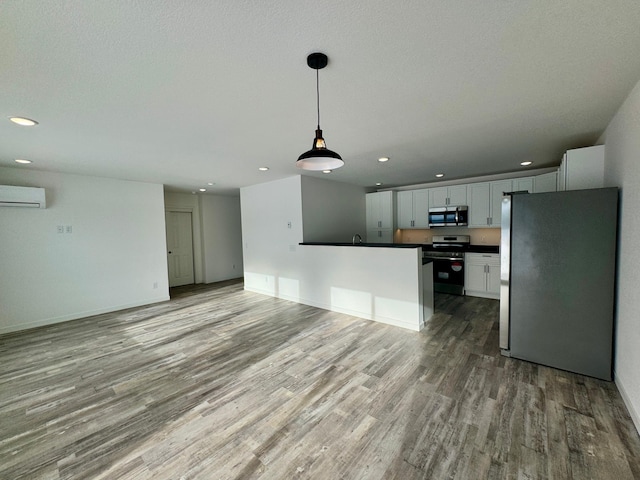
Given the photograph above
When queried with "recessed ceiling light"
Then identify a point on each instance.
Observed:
(263, 169)
(524, 164)
(383, 159)
(210, 183)
(439, 175)
(203, 189)
(378, 184)
(21, 160)
(25, 122)
(326, 171)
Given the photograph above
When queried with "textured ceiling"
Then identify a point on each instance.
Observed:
(189, 92)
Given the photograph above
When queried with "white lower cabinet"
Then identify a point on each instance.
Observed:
(380, 236)
(482, 275)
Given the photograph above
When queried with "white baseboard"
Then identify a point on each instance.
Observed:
(76, 315)
(627, 401)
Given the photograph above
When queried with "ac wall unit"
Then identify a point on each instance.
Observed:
(30, 197)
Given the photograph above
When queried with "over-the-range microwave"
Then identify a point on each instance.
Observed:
(451, 216)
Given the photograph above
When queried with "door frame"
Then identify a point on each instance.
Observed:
(195, 236)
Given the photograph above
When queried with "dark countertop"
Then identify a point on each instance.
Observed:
(364, 244)
(425, 246)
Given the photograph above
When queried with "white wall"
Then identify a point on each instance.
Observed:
(622, 158)
(332, 211)
(269, 243)
(114, 256)
(221, 237)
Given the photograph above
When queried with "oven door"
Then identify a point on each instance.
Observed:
(448, 275)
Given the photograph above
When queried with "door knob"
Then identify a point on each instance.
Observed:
(169, 251)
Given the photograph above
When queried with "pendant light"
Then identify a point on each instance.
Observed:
(319, 157)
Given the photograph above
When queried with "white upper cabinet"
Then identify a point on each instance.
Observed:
(452, 195)
(458, 195)
(413, 209)
(523, 184)
(485, 202)
(479, 195)
(545, 183)
(380, 210)
(498, 189)
(582, 168)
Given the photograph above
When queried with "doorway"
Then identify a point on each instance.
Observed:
(179, 248)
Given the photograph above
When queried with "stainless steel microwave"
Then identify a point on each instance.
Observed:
(450, 216)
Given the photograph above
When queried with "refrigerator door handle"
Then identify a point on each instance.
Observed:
(505, 272)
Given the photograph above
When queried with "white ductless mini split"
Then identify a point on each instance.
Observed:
(29, 197)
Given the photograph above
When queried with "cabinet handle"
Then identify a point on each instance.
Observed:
(379, 233)
(379, 223)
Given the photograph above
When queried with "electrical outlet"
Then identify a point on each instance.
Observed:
(60, 228)
(69, 229)
(289, 225)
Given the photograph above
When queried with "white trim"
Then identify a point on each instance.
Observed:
(78, 315)
(627, 401)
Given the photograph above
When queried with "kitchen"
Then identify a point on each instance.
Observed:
(460, 245)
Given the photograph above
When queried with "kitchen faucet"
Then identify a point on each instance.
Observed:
(359, 238)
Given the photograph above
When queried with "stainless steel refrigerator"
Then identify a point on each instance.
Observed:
(557, 279)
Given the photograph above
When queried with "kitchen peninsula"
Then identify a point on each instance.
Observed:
(387, 283)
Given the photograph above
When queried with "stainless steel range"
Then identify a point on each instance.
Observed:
(447, 253)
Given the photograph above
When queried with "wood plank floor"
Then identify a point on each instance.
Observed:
(219, 383)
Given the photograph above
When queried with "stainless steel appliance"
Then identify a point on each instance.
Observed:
(449, 216)
(557, 274)
(447, 254)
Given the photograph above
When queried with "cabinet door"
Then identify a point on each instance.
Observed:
(547, 182)
(421, 208)
(379, 236)
(497, 192)
(584, 168)
(438, 196)
(493, 279)
(458, 195)
(479, 204)
(523, 184)
(385, 236)
(387, 212)
(405, 210)
(373, 210)
(475, 278)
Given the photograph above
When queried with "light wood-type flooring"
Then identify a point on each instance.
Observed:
(219, 383)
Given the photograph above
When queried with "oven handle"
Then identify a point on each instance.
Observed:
(461, 260)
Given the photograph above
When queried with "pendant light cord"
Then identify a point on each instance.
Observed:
(318, 94)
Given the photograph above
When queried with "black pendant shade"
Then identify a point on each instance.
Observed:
(319, 157)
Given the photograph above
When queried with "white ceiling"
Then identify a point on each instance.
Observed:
(189, 92)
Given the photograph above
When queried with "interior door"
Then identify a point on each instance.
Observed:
(179, 248)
